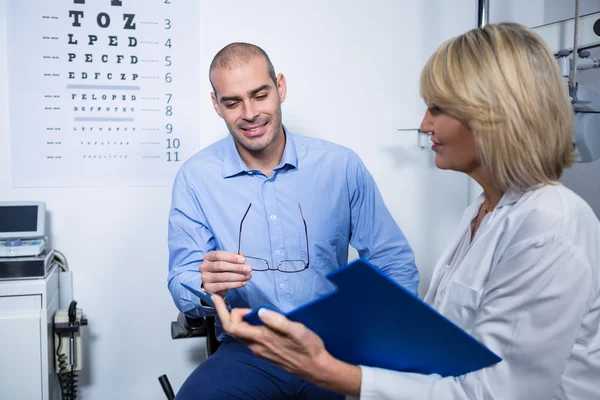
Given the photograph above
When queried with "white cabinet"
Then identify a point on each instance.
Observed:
(27, 308)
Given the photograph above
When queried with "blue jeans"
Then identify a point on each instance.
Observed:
(233, 372)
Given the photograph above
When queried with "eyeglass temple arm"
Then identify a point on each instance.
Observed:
(242, 223)
(306, 234)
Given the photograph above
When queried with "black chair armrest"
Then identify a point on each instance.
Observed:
(212, 343)
(186, 327)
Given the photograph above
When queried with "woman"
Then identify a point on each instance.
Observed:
(522, 274)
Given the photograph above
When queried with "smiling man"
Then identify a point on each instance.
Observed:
(252, 113)
(261, 217)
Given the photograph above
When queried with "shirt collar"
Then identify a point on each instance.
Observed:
(234, 165)
(290, 155)
(511, 196)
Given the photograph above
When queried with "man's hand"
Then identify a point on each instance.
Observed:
(222, 271)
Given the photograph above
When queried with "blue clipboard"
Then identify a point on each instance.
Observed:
(371, 320)
(204, 295)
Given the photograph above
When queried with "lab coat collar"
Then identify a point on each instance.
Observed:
(510, 197)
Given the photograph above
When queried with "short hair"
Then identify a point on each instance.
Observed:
(504, 84)
(238, 53)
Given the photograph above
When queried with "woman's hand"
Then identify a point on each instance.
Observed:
(292, 346)
(288, 344)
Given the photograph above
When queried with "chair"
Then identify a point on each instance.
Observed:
(186, 327)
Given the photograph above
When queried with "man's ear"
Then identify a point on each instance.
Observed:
(215, 103)
(281, 87)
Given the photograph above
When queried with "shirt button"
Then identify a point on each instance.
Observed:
(278, 252)
(282, 286)
(273, 217)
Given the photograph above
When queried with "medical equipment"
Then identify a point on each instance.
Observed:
(39, 313)
(27, 308)
(574, 58)
(34, 267)
(68, 349)
(22, 228)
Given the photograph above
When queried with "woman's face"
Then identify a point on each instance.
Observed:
(453, 142)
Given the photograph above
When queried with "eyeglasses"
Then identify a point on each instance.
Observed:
(287, 266)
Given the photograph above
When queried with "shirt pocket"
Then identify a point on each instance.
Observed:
(462, 304)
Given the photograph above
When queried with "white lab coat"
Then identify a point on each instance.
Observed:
(528, 289)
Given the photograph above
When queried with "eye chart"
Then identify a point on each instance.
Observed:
(102, 92)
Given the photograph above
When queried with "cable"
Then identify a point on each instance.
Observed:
(67, 378)
(61, 260)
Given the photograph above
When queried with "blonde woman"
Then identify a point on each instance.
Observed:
(522, 273)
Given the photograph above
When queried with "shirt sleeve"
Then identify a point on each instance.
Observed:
(374, 233)
(530, 313)
(189, 240)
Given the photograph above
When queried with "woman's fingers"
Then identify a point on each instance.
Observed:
(221, 308)
(233, 322)
(279, 323)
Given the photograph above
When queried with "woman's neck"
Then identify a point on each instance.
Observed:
(491, 193)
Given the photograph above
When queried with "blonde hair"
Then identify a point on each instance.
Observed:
(503, 83)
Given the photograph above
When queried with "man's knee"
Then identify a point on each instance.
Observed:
(235, 373)
(207, 381)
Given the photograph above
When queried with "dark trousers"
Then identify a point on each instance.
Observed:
(233, 372)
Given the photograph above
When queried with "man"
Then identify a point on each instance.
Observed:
(261, 217)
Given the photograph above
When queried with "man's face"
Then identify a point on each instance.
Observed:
(250, 103)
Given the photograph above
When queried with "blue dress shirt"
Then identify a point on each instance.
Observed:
(340, 202)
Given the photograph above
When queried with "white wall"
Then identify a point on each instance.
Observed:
(533, 13)
(352, 76)
(558, 10)
(529, 13)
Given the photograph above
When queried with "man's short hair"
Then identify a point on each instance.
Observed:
(238, 53)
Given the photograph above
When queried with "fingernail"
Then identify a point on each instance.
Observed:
(247, 269)
(265, 314)
(241, 260)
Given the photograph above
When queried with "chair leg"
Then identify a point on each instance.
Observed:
(212, 343)
(166, 385)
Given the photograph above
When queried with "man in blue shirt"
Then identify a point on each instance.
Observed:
(261, 217)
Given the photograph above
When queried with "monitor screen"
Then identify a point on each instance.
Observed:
(18, 218)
